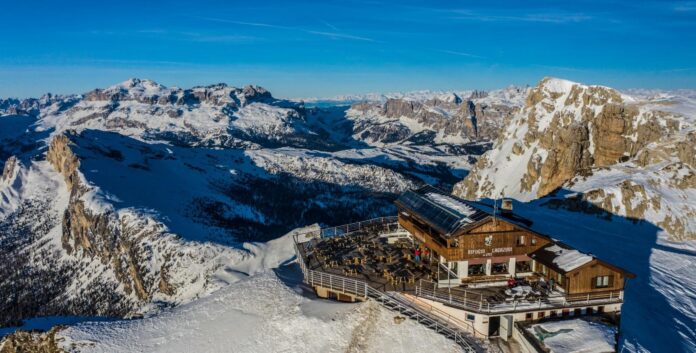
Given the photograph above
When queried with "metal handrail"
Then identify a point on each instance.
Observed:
(349, 228)
(468, 301)
(448, 316)
(362, 289)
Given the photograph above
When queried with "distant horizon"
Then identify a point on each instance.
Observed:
(330, 97)
(310, 48)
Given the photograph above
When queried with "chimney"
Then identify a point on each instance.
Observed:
(506, 207)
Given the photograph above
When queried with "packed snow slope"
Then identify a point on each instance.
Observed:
(259, 314)
(659, 310)
(632, 156)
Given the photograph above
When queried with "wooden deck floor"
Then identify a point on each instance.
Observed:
(367, 257)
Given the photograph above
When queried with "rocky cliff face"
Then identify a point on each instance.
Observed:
(582, 138)
(145, 260)
(441, 119)
(97, 235)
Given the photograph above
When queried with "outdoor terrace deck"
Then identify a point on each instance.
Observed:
(365, 254)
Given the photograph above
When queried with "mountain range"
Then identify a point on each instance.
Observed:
(127, 201)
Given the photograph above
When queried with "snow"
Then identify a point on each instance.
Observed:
(664, 292)
(575, 336)
(266, 312)
(221, 304)
(568, 259)
(463, 209)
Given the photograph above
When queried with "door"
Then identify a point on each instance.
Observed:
(505, 327)
(494, 326)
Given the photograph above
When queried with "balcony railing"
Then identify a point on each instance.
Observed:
(474, 301)
(427, 316)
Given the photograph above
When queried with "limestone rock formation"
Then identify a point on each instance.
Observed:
(597, 141)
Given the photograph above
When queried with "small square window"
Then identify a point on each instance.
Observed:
(540, 315)
(521, 241)
(529, 316)
(533, 241)
(601, 281)
(470, 317)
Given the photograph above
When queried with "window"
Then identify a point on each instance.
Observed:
(565, 312)
(559, 279)
(499, 268)
(553, 313)
(523, 266)
(470, 317)
(540, 315)
(529, 316)
(577, 312)
(533, 241)
(521, 241)
(476, 270)
(601, 282)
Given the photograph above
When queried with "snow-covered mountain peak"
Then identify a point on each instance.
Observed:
(558, 85)
(136, 86)
(569, 133)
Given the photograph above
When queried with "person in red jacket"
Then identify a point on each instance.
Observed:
(417, 253)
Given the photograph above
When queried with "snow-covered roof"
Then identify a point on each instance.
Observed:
(562, 257)
(575, 335)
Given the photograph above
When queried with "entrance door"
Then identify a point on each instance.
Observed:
(494, 326)
(505, 327)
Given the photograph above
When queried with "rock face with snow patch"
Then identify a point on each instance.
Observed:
(139, 196)
(446, 118)
(631, 157)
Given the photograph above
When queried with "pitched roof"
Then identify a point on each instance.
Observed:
(561, 257)
(444, 212)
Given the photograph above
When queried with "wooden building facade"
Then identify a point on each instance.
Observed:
(478, 246)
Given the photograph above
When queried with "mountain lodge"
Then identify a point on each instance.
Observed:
(461, 266)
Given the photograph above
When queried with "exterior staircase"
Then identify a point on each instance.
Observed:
(394, 301)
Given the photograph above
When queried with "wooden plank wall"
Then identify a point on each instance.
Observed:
(582, 279)
(504, 237)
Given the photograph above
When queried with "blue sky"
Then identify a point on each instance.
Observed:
(323, 48)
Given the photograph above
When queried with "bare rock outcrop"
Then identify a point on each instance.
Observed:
(595, 140)
(93, 234)
(32, 342)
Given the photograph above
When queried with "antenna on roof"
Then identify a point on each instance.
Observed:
(495, 208)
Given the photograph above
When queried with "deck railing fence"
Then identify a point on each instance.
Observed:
(473, 301)
(445, 325)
